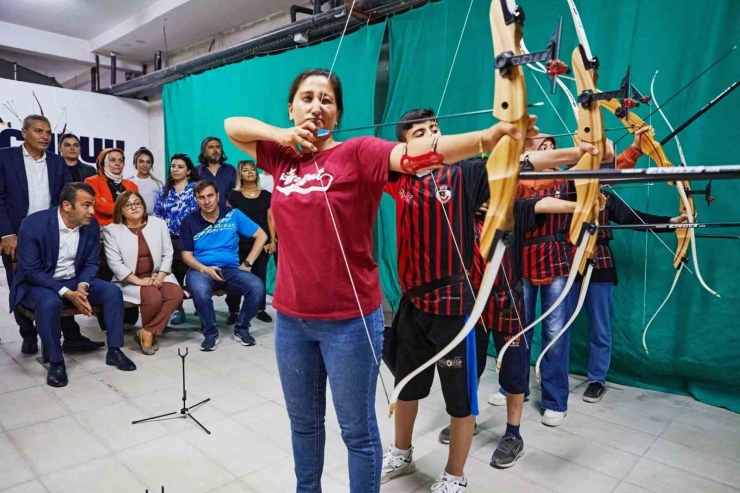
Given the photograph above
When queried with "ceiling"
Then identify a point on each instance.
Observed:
(61, 37)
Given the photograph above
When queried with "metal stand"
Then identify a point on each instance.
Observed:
(185, 411)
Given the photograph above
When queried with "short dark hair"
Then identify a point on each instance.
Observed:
(68, 135)
(34, 118)
(411, 118)
(336, 85)
(202, 156)
(145, 152)
(69, 192)
(202, 185)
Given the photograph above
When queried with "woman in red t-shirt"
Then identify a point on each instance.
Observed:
(327, 292)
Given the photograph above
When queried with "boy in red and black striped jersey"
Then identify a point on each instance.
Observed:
(435, 219)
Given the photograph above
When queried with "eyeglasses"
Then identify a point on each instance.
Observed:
(132, 205)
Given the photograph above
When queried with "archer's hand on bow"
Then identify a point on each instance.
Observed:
(682, 219)
(637, 143)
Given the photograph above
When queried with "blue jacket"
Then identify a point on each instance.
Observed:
(38, 251)
(14, 186)
(225, 180)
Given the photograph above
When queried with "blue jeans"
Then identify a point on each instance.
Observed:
(309, 351)
(554, 367)
(236, 281)
(48, 305)
(599, 305)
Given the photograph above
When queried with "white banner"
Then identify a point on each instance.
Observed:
(99, 120)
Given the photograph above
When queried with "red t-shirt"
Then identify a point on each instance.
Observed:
(312, 279)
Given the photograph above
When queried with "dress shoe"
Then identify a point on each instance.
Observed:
(80, 344)
(148, 350)
(263, 316)
(231, 320)
(57, 375)
(30, 346)
(115, 357)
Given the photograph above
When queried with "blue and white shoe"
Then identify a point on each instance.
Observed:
(177, 317)
(243, 337)
(209, 343)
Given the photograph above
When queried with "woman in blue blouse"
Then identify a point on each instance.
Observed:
(174, 203)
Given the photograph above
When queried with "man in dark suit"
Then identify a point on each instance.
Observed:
(30, 181)
(58, 256)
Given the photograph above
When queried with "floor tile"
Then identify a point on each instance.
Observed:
(560, 475)
(14, 377)
(56, 445)
(659, 478)
(233, 487)
(706, 438)
(269, 420)
(629, 488)
(172, 462)
(694, 405)
(235, 448)
(259, 381)
(697, 462)
(5, 358)
(135, 383)
(106, 474)
(573, 448)
(112, 425)
(29, 487)
(85, 393)
(169, 401)
(28, 406)
(13, 469)
(280, 478)
(226, 396)
(607, 433)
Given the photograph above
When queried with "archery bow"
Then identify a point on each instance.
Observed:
(510, 105)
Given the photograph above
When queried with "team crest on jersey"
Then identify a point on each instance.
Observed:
(444, 194)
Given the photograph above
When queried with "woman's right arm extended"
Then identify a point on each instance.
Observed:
(245, 132)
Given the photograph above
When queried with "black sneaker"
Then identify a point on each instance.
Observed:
(444, 435)
(263, 316)
(243, 337)
(507, 452)
(594, 392)
(231, 320)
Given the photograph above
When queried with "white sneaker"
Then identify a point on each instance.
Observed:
(497, 399)
(447, 483)
(553, 418)
(395, 465)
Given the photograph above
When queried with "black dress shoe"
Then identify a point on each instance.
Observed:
(231, 320)
(263, 316)
(80, 344)
(57, 375)
(115, 357)
(30, 346)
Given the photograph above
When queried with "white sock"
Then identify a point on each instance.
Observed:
(450, 477)
(398, 451)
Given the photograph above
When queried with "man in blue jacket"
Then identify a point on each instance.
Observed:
(58, 256)
(30, 181)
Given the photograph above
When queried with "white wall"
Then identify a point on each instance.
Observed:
(156, 136)
(95, 118)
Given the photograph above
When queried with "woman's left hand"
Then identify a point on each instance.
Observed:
(159, 280)
(270, 248)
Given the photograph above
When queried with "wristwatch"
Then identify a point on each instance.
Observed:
(247, 264)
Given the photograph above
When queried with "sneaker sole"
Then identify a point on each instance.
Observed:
(593, 399)
(553, 425)
(510, 464)
(239, 340)
(443, 441)
(210, 349)
(393, 475)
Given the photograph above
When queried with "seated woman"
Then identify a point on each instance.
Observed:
(173, 204)
(139, 252)
(109, 184)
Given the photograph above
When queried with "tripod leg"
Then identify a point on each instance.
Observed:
(188, 409)
(154, 417)
(198, 423)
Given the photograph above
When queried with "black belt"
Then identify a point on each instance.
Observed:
(434, 285)
(559, 237)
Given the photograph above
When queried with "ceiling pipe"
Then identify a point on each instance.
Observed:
(330, 23)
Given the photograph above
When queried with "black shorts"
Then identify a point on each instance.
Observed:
(515, 366)
(418, 337)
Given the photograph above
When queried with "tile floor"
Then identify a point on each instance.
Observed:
(80, 438)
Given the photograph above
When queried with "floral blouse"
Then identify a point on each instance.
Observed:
(175, 207)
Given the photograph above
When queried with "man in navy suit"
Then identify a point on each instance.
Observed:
(58, 256)
(30, 181)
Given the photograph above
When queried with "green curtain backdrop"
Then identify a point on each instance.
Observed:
(694, 344)
(196, 106)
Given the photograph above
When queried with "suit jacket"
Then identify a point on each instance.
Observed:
(86, 171)
(38, 252)
(104, 202)
(14, 186)
(122, 253)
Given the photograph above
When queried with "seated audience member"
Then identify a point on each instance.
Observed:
(209, 239)
(174, 203)
(69, 149)
(254, 202)
(109, 184)
(139, 252)
(58, 255)
(148, 185)
(213, 167)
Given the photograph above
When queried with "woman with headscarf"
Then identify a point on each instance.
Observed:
(109, 184)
